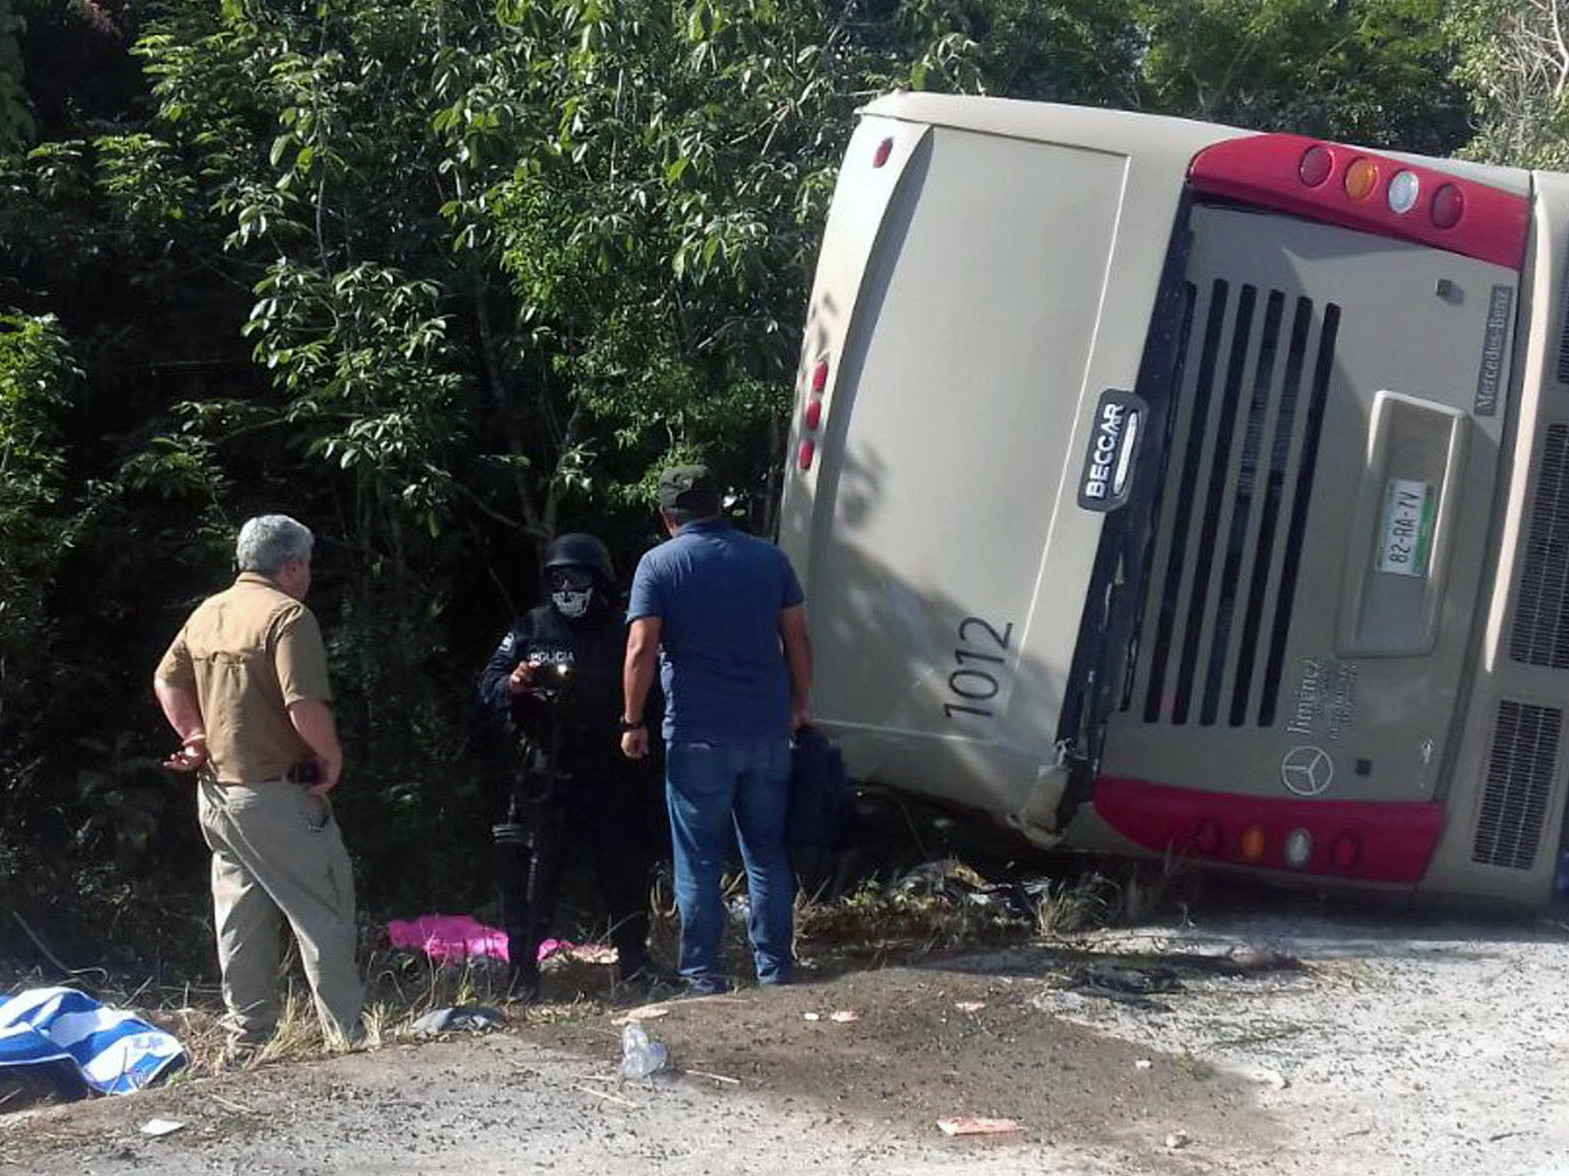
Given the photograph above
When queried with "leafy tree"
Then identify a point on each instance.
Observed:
(1514, 62)
(500, 265)
(16, 109)
(660, 237)
(445, 277)
(35, 370)
(1369, 71)
(1084, 51)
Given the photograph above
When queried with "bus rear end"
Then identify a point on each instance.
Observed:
(1179, 491)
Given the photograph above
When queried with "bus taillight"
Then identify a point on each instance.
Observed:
(1346, 852)
(1298, 848)
(1448, 204)
(812, 415)
(1207, 839)
(1339, 185)
(1252, 844)
(880, 156)
(1361, 178)
(1276, 832)
(1316, 165)
(1404, 188)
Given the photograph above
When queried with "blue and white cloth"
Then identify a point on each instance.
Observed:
(82, 1043)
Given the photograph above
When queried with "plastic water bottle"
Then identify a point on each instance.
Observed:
(640, 1057)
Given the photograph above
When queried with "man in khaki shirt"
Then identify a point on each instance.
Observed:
(245, 686)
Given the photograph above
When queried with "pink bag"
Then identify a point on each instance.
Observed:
(455, 938)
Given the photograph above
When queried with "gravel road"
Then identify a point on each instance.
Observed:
(1285, 1041)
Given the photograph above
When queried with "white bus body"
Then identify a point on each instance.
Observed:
(1161, 487)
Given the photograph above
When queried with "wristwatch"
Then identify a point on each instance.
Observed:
(637, 726)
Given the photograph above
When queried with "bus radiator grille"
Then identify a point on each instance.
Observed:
(1520, 770)
(1252, 391)
(1563, 338)
(1540, 634)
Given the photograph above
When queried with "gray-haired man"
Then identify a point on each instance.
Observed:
(245, 686)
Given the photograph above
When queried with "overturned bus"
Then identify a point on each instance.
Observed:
(1164, 488)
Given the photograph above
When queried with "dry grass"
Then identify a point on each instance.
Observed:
(881, 924)
(874, 922)
(1087, 902)
(874, 925)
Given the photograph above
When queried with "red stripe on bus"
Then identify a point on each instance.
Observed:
(1273, 171)
(1391, 842)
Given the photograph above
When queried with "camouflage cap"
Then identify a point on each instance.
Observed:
(689, 487)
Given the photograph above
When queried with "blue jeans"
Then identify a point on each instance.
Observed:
(712, 788)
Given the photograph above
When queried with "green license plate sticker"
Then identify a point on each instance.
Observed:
(1405, 536)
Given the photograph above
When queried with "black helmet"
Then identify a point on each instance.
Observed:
(581, 551)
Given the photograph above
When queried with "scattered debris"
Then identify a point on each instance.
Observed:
(608, 1097)
(232, 1106)
(648, 1012)
(1169, 966)
(1143, 1064)
(582, 953)
(970, 1006)
(954, 882)
(1249, 958)
(1176, 1140)
(1271, 1078)
(640, 1056)
(714, 1077)
(845, 1016)
(1138, 981)
(459, 1019)
(1127, 998)
(811, 1016)
(161, 1127)
(976, 1125)
(1125, 985)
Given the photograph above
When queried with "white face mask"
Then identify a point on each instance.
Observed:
(572, 604)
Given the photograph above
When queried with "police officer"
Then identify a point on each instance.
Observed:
(557, 676)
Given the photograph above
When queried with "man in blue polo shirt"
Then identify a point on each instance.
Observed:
(725, 614)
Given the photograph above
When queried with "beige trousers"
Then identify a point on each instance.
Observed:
(276, 850)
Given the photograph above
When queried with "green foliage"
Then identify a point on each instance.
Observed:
(661, 238)
(445, 277)
(1084, 51)
(1514, 63)
(17, 126)
(1365, 71)
(125, 798)
(35, 369)
(137, 175)
(360, 354)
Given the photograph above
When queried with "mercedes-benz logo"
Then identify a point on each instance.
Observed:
(1307, 770)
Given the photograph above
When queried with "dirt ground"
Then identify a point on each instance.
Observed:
(1285, 1041)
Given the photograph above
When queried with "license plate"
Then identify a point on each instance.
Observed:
(1406, 536)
